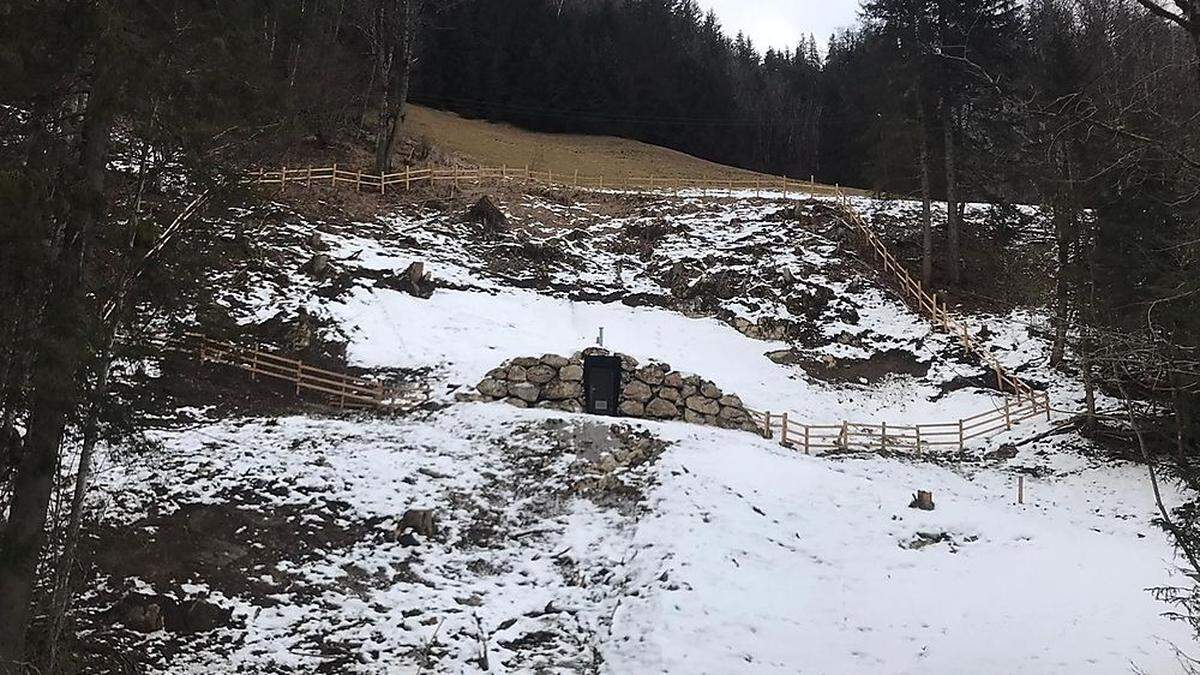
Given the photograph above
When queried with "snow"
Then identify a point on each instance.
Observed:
(724, 554)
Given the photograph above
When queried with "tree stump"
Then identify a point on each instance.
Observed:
(923, 500)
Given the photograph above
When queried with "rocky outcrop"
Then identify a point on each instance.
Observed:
(651, 391)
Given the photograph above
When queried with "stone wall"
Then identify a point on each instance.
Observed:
(652, 391)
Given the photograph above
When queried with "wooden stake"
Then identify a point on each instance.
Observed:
(1007, 418)
(883, 437)
(333, 176)
(1020, 489)
(806, 434)
(783, 433)
(766, 424)
(960, 435)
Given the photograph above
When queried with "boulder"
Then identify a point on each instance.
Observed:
(317, 266)
(524, 391)
(732, 401)
(652, 375)
(525, 361)
(513, 401)
(631, 408)
(595, 351)
(662, 408)
(540, 374)
(673, 379)
(668, 394)
(571, 373)
(710, 390)
(498, 373)
(422, 521)
(637, 391)
(493, 388)
(557, 390)
(554, 360)
(688, 390)
(703, 405)
(486, 213)
(628, 363)
(514, 374)
(732, 414)
(692, 416)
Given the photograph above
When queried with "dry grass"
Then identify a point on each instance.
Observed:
(483, 143)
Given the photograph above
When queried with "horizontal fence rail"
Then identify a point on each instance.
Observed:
(410, 178)
(344, 391)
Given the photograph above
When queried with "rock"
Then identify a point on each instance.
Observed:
(638, 391)
(524, 391)
(409, 539)
(516, 402)
(688, 390)
(631, 408)
(651, 375)
(568, 405)
(788, 277)
(197, 616)
(487, 214)
(540, 374)
(421, 521)
(558, 390)
(662, 408)
(317, 266)
(731, 400)
(628, 363)
(468, 397)
(524, 361)
(673, 379)
(315, 242)
(515, 373)
(493, 388)
(595, 351)
(571, 373)
(703, 405)
(692, 416)
(668, 394)
(554, 361)
(732, 414)
(416, 281)
(498, 373)
(143, 618)
(710, 390)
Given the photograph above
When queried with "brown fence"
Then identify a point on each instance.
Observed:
(411, 178)
(342, 390)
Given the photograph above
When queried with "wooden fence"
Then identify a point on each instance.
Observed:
(341, 390)
(411, 178)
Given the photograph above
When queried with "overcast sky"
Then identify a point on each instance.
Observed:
(781, 23)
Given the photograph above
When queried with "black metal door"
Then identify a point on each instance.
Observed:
(601, 384)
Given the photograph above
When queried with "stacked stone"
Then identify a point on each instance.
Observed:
(551, 381)
(652, 391)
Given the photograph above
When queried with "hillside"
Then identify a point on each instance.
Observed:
(495, 144)
(580, 544)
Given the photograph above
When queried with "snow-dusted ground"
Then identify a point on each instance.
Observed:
(726, 553)
(740, 557)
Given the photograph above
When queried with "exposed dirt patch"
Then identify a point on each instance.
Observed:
(873, 369)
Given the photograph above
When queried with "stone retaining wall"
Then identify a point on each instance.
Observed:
(651, 391)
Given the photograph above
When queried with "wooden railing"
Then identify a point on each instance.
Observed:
(342, 390)
(410, 178)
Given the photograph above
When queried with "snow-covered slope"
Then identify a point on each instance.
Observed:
(569, 543)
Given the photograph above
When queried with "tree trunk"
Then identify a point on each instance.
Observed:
(926, 224)
(395, 81)
(953, 253)
(1062, 241)
(53, 379)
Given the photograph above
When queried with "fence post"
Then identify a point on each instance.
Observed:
(883, 437)
(917, 431)
(382, 182)
(358, 181)
(766, 424)
(1007, 418)
(282, 178)
(575, 180)
(783, 431)
(407, 178)
(1047, 395)
(299, 374)
(1020, 489)
(527, 173)
(333, 176)
(504, 171)
(756, 190)
(960, 434)
(806, 441)
(844, 437)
